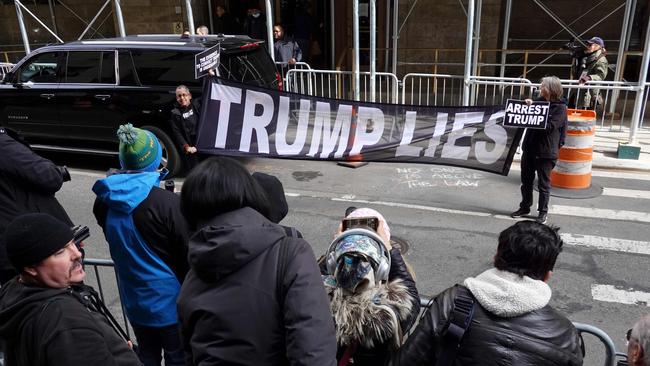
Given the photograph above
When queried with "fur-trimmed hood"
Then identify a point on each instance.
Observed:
(370, 317)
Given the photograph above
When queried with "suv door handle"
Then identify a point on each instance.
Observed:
(47, 96)
(102, 96)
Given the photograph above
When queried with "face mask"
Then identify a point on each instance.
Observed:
(353, 273)
(256, 15)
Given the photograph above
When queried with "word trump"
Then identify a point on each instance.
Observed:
(520, 114)
(267, 122)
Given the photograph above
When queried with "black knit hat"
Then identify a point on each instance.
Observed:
(31, 238)
(275, 193)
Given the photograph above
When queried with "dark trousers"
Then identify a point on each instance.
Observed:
(152, 342)
(529, 165)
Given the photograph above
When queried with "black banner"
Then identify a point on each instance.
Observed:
(240, 119)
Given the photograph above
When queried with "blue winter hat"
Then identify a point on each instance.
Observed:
(597, 40)
(139, 149)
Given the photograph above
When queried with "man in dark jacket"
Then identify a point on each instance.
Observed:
(540, 151)
(47, 316)
(512, 322)
(147, 237)
(286, 50)
(28, 183)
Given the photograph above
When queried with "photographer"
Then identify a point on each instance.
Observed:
(28, 183)
(372, 292)
(589, 64)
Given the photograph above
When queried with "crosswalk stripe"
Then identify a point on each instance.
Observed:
(613, 244)
(629, 193)
(605, 174)
(600, 213)
(609, 293)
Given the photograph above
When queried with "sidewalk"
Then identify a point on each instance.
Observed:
(606, 145)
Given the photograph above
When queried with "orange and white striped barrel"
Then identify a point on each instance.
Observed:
(573, 167)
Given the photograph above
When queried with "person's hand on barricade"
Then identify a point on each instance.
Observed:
(584, 79)
(292, 61)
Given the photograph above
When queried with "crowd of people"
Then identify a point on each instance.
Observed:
(210, 277)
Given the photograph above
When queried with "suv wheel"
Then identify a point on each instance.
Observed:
(171, 159)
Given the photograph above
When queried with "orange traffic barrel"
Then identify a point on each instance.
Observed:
(573, 167)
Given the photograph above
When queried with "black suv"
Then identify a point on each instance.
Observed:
(73, 96)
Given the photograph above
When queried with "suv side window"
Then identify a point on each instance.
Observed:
(165, 68)
(90, 67)
(252, 66)
(127, 75)
(43, 68)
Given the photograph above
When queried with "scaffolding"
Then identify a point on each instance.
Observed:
(472, 43)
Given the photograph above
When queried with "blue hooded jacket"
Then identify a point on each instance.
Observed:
(148, 287)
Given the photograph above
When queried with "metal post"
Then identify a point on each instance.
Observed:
(468, 51)
(387, 28)
(210, 16)
(504, 41)
(21, 25)
(51, 6)
(269, 28)
(332, 36)
(355, 45)
(395, 33)
(190, 16)
(373, 47)
(629, 26)
(120, 18)
(38, 21)
(95, 18)
(621, 53)
(638, 102)
(475, 51)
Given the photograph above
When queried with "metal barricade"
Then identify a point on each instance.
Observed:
(5, 67)
(490, 90)
(284, 67)
(110, 302)
(432, 89)
(340, 84)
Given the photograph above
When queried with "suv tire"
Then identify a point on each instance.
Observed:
(171, 158)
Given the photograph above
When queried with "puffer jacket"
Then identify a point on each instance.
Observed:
(519, 329)
(546, 143)
(229, 309)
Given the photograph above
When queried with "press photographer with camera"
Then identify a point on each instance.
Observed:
(28, 183)
(589, 63)
(372, 293)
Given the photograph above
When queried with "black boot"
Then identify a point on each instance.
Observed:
(520, 212)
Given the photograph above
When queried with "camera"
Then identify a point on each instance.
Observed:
(576, 48)
(371, 223)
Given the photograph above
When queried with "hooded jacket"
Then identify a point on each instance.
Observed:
(149, 282)
(512, 325)
(546, 143)
(45, 326)
(228, 307)
(28, 183)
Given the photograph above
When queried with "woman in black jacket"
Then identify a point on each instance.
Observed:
(253, 295)
(185, 121)
(540, 150)
(371, 316)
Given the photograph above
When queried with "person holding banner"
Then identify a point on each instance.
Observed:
(185, 119)
(540, 150)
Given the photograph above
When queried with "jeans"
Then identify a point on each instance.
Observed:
(152, 342)
(529, 165)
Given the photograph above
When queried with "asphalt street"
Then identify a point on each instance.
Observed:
(451, 218)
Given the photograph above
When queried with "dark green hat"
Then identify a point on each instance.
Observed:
(139, 149)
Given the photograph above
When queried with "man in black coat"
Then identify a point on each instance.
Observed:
(510, 321)
(540, 151)
(47, 316)
(28, 183)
